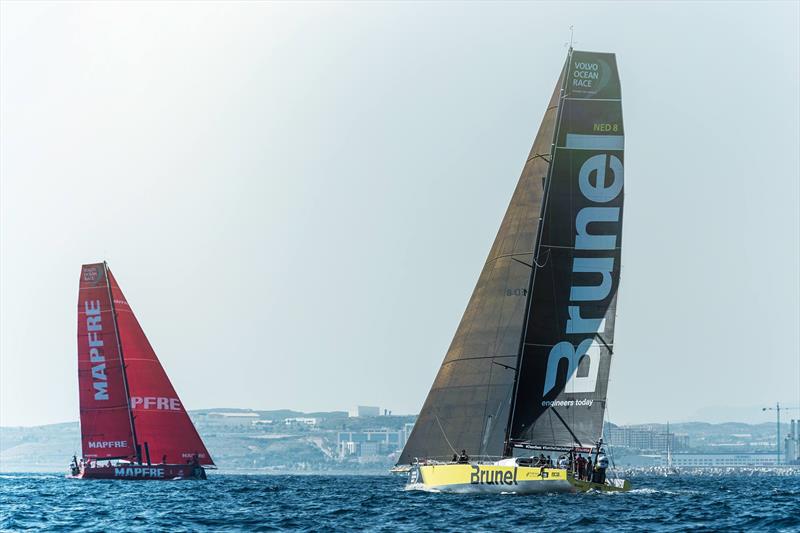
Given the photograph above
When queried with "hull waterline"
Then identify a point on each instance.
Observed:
(502, 479)
(162, 472)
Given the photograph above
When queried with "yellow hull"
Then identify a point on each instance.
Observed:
(487, 478)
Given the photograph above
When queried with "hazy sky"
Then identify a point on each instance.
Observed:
(297, 199)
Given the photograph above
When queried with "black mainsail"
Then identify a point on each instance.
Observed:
(550, 280)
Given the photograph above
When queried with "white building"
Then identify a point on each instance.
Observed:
(235, 418)
(721, 460)
(311, 422)
(367, 410)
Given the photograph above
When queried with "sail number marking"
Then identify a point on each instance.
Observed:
(604, 127)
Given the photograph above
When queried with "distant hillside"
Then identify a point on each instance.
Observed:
(285, 440)
(238, 439)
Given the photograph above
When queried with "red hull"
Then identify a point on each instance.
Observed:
(143, 472)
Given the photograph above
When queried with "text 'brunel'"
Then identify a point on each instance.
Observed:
(94, 334)
(607, 173)
(480, 476)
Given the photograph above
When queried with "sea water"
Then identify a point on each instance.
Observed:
(380, 503)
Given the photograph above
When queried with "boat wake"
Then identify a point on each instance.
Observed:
(421, 487)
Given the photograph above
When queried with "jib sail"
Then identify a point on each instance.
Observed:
(569, 337)
(468, 404)
(164, 431)
(106, 423)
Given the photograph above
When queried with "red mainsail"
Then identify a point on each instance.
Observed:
(106, 424)
(164, 430)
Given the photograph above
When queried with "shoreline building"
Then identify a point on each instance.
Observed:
(721, 459)
(364, 411)
(371, 444)
(645, 438)
(791, 445)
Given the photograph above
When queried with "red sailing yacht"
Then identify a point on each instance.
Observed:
(130, 413)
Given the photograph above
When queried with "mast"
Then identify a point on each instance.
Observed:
(535, 263)
(122, 364)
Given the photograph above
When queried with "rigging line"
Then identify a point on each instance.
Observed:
(566, 426)
(537, 156)
(523, 262)
(444, 434)
(504, 366)
(485, 406)
(474, 357)
(503, 256)
(546, 258)
(610, 350)
(610, 444)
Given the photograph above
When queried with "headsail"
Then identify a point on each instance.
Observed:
(106, 424)
(468, 404)
(163, 428)
(569, 338)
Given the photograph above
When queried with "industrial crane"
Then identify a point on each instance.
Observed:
(778, 410)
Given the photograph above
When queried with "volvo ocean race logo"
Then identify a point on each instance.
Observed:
(607, 172)
(90, 274)
(94, 334)
(589, 77)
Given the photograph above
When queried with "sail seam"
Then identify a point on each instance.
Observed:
(572, 247)
(493, 259)
(594, 99)
(476, 357)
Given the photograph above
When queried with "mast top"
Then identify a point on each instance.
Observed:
(571, 36)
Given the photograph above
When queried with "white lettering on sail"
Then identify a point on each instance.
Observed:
(599, 192)
(587, 215)
(596, 165)
(157, 403)
(565, 350)
(578, 324)
(593, 265)
(103, 444)
(94, 331)
(584, 74)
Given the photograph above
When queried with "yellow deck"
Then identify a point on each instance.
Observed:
(497, 478)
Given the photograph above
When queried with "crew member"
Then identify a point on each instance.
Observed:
(588, 469)
(464, 458)
(600, 468)
(455, 458)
